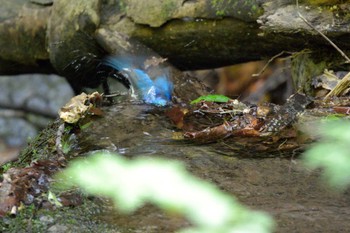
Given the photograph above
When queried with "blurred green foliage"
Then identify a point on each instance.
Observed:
(166, 184)
(332, 153)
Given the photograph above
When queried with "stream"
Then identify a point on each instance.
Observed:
(258, 173)
(275, 182)
(272, 180)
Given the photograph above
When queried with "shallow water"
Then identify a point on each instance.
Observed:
(271, 180)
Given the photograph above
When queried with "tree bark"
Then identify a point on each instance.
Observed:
(191, 34)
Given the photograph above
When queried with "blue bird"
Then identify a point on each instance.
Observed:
(153, 90)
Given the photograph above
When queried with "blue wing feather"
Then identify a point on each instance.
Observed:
(156, 91)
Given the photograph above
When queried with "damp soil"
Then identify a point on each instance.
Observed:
(273, 181)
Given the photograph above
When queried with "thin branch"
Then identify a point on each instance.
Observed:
(322, 34)
(268, 63)
(340, 88)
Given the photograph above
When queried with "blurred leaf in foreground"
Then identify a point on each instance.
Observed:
(332, 153)
(167, 185)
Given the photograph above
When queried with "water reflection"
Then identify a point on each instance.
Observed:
(271, 183)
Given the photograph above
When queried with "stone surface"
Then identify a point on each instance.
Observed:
(28, 103)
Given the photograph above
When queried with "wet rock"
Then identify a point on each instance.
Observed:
(28, 103)
(156, 13)
(16, 131)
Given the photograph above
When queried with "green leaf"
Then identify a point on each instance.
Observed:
(211, 98)
(53, 199)
(331, 153)
(167, 184)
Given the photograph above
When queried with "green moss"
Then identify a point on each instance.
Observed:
(41, 147)
(324, 2)
(23, 222)
(248, 9)
(82, 218)
(308, 64)
(304, 68)
(169, 8)
(122, 6)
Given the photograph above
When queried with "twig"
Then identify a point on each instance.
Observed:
(322, 34)
(115, 94)
(269, 62)
(341, 86)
